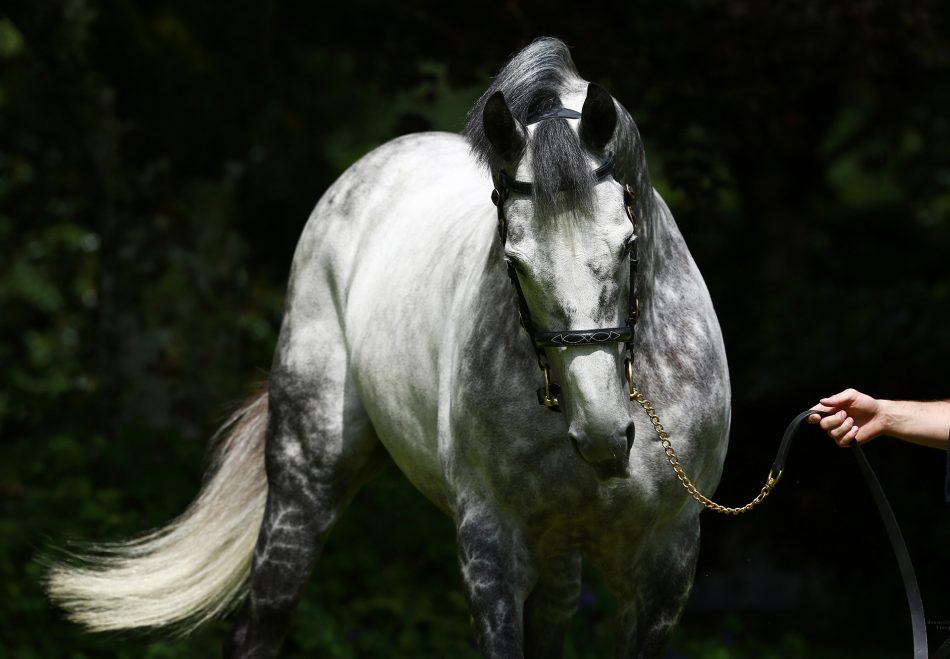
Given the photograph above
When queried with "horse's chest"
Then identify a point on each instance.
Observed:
(588, 524)
(555, 493)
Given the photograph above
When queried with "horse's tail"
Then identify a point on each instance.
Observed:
(193, 569)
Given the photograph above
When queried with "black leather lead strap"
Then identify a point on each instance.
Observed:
(779, 464)
(918, 620)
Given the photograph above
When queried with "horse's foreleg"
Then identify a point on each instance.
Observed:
(551, 606)
(496, 578)
(654, 590)
(320, 449)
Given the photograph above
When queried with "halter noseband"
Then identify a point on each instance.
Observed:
(548, 394)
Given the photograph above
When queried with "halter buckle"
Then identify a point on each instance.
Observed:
(547, 395)
(629, 197)
(628, 371)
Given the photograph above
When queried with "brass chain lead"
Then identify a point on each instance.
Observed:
(681, 474)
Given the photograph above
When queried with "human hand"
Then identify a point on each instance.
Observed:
(853, 416)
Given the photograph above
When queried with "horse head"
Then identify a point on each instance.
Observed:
(567, 229)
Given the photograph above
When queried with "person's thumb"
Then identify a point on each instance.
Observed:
(815, 418)
(842, 399)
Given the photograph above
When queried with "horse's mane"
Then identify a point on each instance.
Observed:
(532, 82)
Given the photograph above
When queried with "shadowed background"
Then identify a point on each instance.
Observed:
(159, 159)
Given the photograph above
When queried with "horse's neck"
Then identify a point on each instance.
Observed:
(670, 288)
(653, 230)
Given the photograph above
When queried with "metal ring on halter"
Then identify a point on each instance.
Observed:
(628, 369)
(629, 198)
(547, 395)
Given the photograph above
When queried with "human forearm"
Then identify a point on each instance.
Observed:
(920, 422)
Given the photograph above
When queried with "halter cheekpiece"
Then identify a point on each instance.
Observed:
(505, 186)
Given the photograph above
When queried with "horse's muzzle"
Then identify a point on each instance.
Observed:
(608, 458)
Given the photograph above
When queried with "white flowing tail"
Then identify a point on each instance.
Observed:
(193, 569)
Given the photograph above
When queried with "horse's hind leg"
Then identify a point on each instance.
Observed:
(320, 449)
(551, 606)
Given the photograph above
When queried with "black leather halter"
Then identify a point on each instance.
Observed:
(547, 394)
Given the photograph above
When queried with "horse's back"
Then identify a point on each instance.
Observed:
(385, 221)
(365, 201)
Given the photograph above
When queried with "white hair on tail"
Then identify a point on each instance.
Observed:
(190, 571)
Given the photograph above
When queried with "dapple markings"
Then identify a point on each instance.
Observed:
(401, 341)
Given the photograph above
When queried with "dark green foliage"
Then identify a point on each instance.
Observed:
(158, 160)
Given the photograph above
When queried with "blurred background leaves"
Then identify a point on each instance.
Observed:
(159, 159)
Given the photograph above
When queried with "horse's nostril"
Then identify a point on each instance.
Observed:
(613, 451)
(631, 435)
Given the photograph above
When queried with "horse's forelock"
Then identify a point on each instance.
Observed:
(560, 168)
(532, 82)
(529, 81)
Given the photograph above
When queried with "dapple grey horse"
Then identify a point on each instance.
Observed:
(401, 341)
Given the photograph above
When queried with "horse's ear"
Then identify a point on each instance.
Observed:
(505, 133)
(598, 118)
